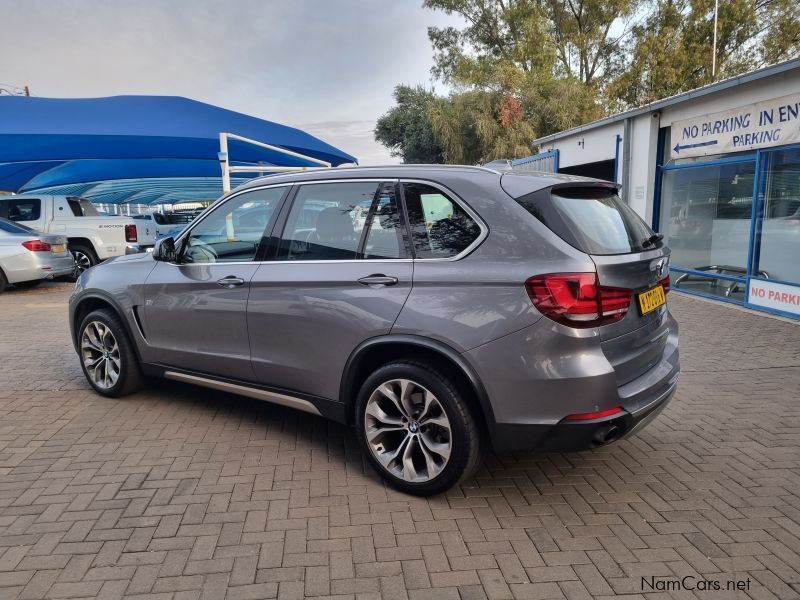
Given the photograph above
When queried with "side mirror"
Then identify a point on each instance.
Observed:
(164, 250)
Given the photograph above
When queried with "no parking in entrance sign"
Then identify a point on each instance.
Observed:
(770, 123)
(777, 296)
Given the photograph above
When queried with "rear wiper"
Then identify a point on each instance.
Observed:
(652, 240)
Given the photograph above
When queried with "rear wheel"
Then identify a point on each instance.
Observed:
(84, 256)
(416, 428)
(108, 358)
(3, 281)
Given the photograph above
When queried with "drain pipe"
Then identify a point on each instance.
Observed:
(626, 160)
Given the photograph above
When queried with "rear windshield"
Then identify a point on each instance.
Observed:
(12, 227)
(593, 220)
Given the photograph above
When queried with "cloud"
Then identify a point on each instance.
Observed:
(326, 66)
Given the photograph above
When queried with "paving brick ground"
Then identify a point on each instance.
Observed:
(184, 493)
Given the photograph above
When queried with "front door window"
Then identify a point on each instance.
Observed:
(233, 231)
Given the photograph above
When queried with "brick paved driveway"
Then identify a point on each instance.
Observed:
(185, 493)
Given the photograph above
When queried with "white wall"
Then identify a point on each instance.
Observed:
(782, 84)
(644, 146)
(586, 147)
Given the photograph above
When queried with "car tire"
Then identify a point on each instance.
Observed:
(421, 436)
(84, 256)
(3, 281)
(26, 285)
(107, 355)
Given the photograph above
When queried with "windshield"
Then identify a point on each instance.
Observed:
(592, 219)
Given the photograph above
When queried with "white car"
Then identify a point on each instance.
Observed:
(28, 257)
(92, 237)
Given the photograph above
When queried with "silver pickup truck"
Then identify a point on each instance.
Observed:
(92, 237)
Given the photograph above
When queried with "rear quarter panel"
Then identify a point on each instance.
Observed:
(481, 297)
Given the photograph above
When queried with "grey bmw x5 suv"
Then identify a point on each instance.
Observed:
(438, 310)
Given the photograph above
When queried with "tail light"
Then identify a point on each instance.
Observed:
(37, 246)
(577, 299)
(130, 233)
(665, 283)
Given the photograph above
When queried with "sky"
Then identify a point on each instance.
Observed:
(325, 66)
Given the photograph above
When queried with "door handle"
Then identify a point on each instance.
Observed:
(378, 279)
(230, 282)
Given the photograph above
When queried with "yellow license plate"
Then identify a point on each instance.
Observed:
(57, 248)
(652, 299)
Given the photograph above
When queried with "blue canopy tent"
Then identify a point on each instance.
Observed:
(141, 149)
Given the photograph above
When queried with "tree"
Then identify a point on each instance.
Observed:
(406, 129)
(582, 33)
(547, 56)
(479, 126)
(671, 49)
(521, 69)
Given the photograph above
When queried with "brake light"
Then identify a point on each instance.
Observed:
(665, 283)
(37, 246)
(594, 415)
(130, 233)
(577, 299)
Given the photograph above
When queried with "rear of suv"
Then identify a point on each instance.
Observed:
(466, 308)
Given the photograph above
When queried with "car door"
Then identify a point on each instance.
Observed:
(332, 284)
(195, 314)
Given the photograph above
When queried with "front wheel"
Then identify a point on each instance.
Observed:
(108, 358)
(416, 428)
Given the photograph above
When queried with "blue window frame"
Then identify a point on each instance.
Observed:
(741, 209)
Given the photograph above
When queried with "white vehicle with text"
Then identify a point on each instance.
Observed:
(92, 237)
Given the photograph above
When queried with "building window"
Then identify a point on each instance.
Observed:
(779, 245)
(705, 218)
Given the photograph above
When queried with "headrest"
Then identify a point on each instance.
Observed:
(333, 223)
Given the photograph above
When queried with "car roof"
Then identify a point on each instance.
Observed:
(411, 171)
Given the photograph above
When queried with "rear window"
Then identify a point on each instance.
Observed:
(593, 220)
(24, 209)
(11, 227)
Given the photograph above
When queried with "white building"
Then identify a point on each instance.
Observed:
(717, 171)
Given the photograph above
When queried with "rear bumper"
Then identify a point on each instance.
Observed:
(576, 436)
(535, 378)
(35, 266)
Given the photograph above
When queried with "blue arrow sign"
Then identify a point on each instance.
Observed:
(678, 147)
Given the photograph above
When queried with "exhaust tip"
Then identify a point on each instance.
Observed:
(607, 434)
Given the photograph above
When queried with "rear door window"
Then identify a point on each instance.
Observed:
(591, 219)
(440, 227)
(343, 221)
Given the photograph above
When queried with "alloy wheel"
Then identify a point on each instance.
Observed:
(100, 355)
(82, 260)
(407, 430)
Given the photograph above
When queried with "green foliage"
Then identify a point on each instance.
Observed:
(520, 69)
(406, 130)
(478, 126)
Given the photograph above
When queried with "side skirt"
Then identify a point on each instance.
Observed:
(314, 405)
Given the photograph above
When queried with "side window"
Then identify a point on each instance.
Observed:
(326, 221)
(385, 235)
(439, 226)
(233, 232)
(24, 209)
